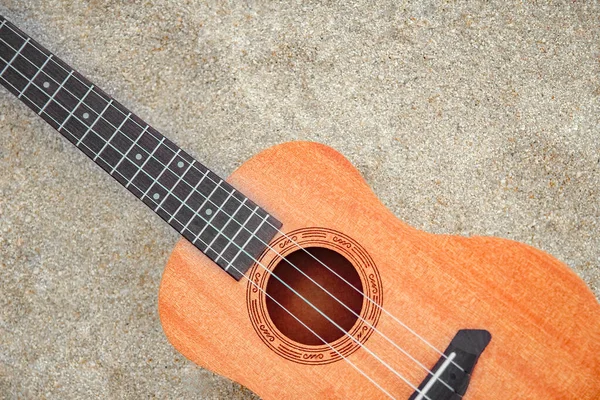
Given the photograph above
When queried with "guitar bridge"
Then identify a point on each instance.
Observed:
(451, 375)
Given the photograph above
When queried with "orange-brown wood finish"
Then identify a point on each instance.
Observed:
(544, 321)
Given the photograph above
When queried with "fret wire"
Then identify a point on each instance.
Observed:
(35, 76)
(76, 107)
(14, 57)
(128, 150)
(170, 191)
(13, 86)
(61, 85)
(231, 218)
(219, 209)
(165, 167)
(66, 130)
(242, 227)
(220, 231)
(200, 208)
(89, 129)
(143, 165)
(1, 25)
(72, 135)
(56, 102)
(112, 136)
(151, 155)
(252, 235)
(194, 190)
(47, 75)
(29, 82)
(47, 60)
(240, 249)
(54, 94)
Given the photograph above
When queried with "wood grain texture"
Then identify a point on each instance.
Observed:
(544, 321)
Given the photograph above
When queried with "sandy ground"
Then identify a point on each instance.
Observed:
(465, 119)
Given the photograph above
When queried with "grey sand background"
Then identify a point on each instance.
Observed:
(477, 118)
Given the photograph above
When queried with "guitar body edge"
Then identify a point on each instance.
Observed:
(544, 321)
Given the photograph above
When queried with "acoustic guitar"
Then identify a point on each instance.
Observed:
(295, 281)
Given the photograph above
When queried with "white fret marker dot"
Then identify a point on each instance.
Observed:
(46, 85)
(180, 164)
(86, 115)
(138, 156)
(156, 196)
(208, 211)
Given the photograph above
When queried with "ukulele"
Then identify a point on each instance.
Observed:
(295, 281)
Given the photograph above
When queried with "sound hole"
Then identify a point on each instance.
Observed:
(287, 271)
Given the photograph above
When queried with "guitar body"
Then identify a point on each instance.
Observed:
(544, 321)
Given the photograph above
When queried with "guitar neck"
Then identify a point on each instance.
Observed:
(219, 220)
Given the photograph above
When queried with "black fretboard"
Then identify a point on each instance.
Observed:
(219, 220)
